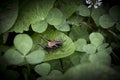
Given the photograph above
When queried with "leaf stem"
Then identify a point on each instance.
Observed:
(27, 73)
(61, 63)
(116, 57)
(114, 34)
(25, 76)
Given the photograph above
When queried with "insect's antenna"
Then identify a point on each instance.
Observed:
(41, 45)
(44, 38)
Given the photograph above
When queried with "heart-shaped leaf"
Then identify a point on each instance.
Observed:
(55, 17)
(69, 9)
(40, 26)
(106, 21)
(77, 32)
(79, 44)
(55, 75)
(12, 56)
(89, 48)
(23, 43)
(42, 69)
(63, 27)
(96, 38)
(83, 10)
(35, 57)
(96, 13)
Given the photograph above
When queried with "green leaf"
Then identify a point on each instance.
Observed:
(75, 20)
(12, 56)
(105, 48)
(96, 13)
(5, 37)
(96, 38)
(90, 71)
(55, 75)
(67, 62)
(55, 17)
(102, 46)
(3, 48)
(79, 32)
(75, 59)
(84, 58)
(8, 15)
(89, 48)
(35, 57)
(115, 13)
(32, 12)
(23, 43)
(83, 10)
(79, 44)
(106, 21)
(42, 69)
(101, 58)
(40, 26)
(63, 27)
(65, 50)
(69, 9)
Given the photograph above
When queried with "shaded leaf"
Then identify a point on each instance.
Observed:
(69, 9)
(84, 58)
(105, 48)
(102, 46)
(12, 56)
(55, 75)
(8, 15)
(75, 59)
(101, 58)
(90, 71)
(96, 13)
(106, 21)
(79, 32)
(83, 10)
(35, 57)
(75, 20)
(42, 69)
(115, 13)
(3, 48)
(5, 37)
(23, 43)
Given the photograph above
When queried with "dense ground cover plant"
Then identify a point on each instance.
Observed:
(88, 31)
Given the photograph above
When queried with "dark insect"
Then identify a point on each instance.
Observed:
(51, 44)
